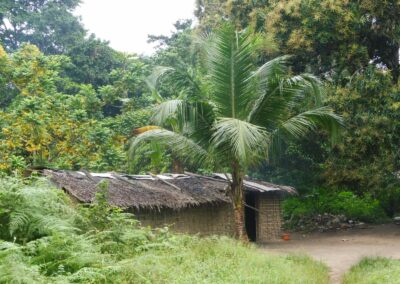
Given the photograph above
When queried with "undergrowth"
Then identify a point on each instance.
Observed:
(45, 238)
(320, 201)
(374, 271)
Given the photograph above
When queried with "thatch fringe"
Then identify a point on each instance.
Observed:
(129, 191)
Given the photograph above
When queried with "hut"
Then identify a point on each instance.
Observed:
(188, 203)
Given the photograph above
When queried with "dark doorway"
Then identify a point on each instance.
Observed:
(250, 216)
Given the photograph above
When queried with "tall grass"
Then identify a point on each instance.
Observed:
(374, 271)
(220, 260)
(44, 238)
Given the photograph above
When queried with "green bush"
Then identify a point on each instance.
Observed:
(390, 200)
(364, 208)
(47, 239)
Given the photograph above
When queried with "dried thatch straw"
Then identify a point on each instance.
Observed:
(128, 191)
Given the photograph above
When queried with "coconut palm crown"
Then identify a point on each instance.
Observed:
(240, 114)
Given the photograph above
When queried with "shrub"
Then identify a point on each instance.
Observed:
(364, 208)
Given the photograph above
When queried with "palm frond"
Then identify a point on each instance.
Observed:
(230, 65)
(280, 94)
(181, 76)
(324, 117)
(241, 110)
(306, 86)
(273, 69)
(200, 122)
(153, 78)
(240, 139)
(166, 110)
(185, 117)
(156, 74)
(273, 96)
(183, 147)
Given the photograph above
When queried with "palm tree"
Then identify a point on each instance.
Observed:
(239, 113)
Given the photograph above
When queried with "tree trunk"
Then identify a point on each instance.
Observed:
(393, 61)
(236, 195)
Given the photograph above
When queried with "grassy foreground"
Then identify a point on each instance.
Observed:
(44, 238)
(221, 260)
(374, 271)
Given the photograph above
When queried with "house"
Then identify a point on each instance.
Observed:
(188, 203)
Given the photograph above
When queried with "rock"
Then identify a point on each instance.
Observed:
(361, 225)
(344, 226)
(325, 222)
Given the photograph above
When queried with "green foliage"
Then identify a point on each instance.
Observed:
(320, 201)
(298, 163)
(324, 36)
(240, 114)
(102, 244)
(32, 211)
(246, 110)
(175, 48)
(92, 60)
(150, 158)
(15, 266)
(367, 159)
(44, 127)
(374, 271)
(49, 24)
(53, 107)
(77, 109)
(62, 254)
(354, 45)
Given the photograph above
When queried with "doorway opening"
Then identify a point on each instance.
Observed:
(250, 216)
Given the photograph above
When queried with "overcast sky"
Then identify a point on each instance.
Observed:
(126, 23)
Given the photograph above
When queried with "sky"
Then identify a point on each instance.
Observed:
(126, 23)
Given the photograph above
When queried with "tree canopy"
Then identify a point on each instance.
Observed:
(48, 24)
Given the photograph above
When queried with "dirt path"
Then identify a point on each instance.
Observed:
(341, 250)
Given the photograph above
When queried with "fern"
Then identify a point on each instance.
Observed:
(33, 210)
(15, 266)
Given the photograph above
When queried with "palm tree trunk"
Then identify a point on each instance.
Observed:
(236, 193)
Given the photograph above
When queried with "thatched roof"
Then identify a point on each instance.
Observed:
(153, 192)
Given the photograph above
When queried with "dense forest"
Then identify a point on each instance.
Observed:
(304, 93)
(69, 101)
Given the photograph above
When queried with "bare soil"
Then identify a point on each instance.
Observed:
(342, 249)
